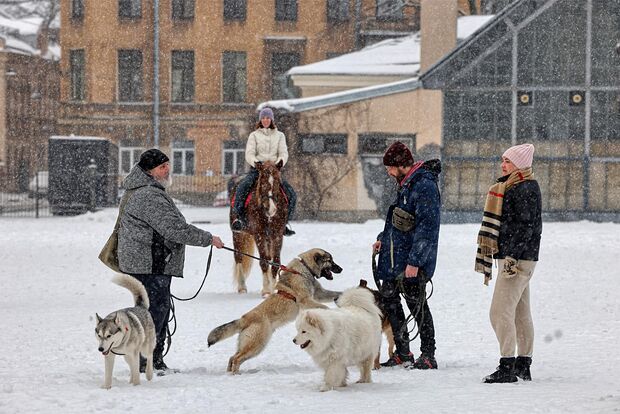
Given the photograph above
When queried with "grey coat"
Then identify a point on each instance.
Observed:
(153, 232)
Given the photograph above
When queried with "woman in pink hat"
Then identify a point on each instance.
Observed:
(510, 233)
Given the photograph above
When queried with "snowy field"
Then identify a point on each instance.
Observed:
(52, 285)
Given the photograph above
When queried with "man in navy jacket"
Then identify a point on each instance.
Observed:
(407, 250)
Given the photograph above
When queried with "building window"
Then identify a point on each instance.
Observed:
(78, 68)
(233, 158)
(130, 76)
(337, 10)
(182, 76)
(183, 158)
(280, 64)
(77, 9)
(323, 143)
(129, 9)
(182, 9)
(376, 144)
(389, 10)
(234, 75)
(286, 10)
(235, 9)
(128, 156)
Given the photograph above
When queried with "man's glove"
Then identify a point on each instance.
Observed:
(510, 267)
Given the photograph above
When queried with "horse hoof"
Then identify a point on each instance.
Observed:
(242, 290)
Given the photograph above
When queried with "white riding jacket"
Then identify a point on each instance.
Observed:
(266, 144)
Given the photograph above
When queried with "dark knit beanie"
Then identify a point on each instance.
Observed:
(152, 158)
(397, 155)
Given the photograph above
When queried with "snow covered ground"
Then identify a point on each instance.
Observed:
(52, 285)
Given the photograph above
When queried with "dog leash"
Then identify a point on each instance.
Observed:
(260, 259)
(173, 317)
(420, 300)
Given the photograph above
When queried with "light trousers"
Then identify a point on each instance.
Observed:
(510, 313)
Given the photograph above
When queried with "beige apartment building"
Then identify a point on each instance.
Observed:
(215, 60)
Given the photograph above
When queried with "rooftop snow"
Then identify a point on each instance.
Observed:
(398, 56)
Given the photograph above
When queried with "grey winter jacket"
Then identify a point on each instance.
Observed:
(153, 232)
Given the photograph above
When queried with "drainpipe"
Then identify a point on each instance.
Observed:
(358, 23)
(156, 73)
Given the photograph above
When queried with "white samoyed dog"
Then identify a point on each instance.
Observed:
(349, 335)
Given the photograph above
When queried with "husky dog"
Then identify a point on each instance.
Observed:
(128, 332)
(349, 335)
(297, 288)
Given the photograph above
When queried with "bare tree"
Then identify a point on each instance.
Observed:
(317, 179)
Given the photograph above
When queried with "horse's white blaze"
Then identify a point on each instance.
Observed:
(272, 205)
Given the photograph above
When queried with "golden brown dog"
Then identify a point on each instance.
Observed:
(386, 328)
(297, 288)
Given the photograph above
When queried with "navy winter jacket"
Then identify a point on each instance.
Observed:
(419, 196)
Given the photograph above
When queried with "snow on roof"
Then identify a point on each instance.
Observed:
(342, 97)
(78, 138)
(398, 56)
(22, 27)
(14, 45)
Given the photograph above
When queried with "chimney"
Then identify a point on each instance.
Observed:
(438, 30)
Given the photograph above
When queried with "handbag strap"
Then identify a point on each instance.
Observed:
(121, 208)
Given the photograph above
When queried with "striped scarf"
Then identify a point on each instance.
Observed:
(492, 220)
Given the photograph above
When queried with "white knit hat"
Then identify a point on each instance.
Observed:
(520, 155)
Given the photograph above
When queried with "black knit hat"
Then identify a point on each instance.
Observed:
(398, 155)
(152, 158)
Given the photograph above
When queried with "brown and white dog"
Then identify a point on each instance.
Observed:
(297, 288)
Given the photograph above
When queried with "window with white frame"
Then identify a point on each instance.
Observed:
(128, 157)
(233, 158)
(183, 158)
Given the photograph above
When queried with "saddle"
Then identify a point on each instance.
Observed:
(249, 197)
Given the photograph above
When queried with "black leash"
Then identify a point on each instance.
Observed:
(270, 263)
(260, 259)
(420, 300)
(173, 317)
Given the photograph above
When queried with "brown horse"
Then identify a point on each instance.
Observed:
(266, 217)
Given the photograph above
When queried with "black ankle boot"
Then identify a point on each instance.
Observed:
(505, 372)
(159, 364)
(288, 231)
(238, 224)
(522, 368)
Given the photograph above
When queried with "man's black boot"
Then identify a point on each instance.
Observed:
(522, 368)
(505, 372)
(159, 364)
(142, 364)
(397, 359)
(425, 361)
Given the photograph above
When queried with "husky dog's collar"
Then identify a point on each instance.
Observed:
(286, 295)
(308, 267)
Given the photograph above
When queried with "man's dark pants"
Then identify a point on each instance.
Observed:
(391, 297)
(158, 290)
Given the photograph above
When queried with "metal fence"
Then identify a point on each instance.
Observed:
(201, 191)
(21, 201)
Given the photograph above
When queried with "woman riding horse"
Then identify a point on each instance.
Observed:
(265, 143)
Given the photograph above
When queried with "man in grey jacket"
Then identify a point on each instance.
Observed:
(152, 238)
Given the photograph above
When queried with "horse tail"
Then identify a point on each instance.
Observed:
(244, 243)
(247, 246)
